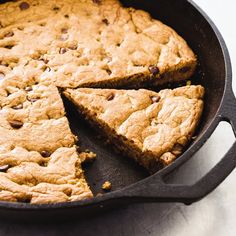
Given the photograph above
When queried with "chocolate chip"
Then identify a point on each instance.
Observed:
(45, 154)
(2, 76)
(43, 164)
(28, 89)
(16, 124)
(4, 168)
(105, 21)
(66, 16)
(48, 69)
(42, 24)
(62, 50)
(24, 6)
(9, 34)
(184, 69)
(108, 71)
(64, 30)
(73, 47)
(110, 97)
(18, 107)
(44, 60)
(154, 70)
(25, 200)
(97, 1)
(9, 46)
(56, 8)
(32, 99)
(155, 99)
(178, 54)
(20, 28)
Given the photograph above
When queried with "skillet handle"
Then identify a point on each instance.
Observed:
(157, 190)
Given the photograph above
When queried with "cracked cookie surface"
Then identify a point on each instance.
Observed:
(151, 127)
(89, 43)
(30, 177)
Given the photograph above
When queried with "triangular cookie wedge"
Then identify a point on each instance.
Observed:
(153, 128)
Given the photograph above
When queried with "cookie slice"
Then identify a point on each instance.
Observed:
(153, 128)
(91, 44)
(38, 158)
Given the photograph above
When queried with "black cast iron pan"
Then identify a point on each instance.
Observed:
(130, 182)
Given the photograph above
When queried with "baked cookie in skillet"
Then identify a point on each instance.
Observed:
(85, 43)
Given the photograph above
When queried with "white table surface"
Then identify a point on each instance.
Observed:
(215, 215)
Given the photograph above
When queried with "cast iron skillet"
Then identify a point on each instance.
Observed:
(130, 182)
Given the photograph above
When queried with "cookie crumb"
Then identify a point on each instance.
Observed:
(106, 186)
(188, 83)
(87, 156)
